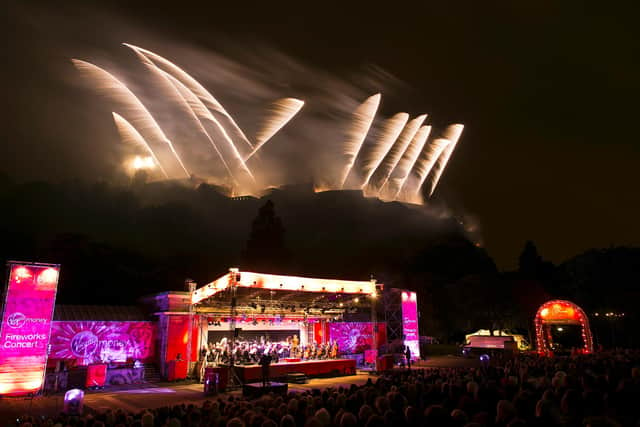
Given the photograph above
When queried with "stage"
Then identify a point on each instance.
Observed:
(311, 368)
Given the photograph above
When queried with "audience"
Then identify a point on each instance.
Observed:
(586, 390)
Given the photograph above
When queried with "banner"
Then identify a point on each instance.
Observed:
(356, 337)
(102, 342)
(410, 334)
(26, 326)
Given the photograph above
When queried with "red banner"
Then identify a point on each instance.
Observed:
(410, 323)
(102, 342)
(26, 326)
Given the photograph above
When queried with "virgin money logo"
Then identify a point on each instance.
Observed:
(16, 320)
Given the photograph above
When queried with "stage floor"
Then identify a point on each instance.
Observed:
(311, 368)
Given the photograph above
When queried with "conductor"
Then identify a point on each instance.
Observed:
(265, 362)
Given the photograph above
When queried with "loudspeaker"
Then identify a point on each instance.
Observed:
(236, 332)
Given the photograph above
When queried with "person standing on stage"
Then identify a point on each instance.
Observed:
(203, 361)
(294, 345)
(407, 354)
(265, 362)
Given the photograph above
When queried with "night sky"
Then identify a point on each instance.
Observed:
(548, 93)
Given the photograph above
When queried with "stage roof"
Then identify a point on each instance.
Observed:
(271, 282)
(258, 294)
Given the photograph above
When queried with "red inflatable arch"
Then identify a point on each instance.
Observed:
(561, 312)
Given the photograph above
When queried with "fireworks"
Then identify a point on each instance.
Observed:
(391, 131)
(393, 162)
(143, 163)
(140, 117)
(282, 112)
(130, 135)
(411, 190)
(362, 119)
(408, 159)
(395, 152)
(452, 133)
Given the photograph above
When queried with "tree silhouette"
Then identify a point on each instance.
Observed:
(531, 264)
(266, 251)
(529, 259)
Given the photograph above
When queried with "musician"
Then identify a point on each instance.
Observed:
(320, 352)
(334, 350)
(295, 342)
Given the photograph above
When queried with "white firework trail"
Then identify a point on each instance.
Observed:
(198, 111)
(129, 135)
(398, 148)
(363, 117)
(408, 159)
(420, 171)
(391, 129)
(186, 98)
(176, 91)
(282, 111)
(452, 133)
(207, 98)
(203, 113)
(140, 116)
(182, 96)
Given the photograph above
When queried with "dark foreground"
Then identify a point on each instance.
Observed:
(598, 390)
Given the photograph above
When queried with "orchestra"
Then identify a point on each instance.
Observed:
(250, 352)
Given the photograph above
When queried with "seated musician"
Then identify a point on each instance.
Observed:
(312, 350)
(334, 350)
(319, 351)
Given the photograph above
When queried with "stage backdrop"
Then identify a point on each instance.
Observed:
(355, 337)
(97, 341)
(26, 324)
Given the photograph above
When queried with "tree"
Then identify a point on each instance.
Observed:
(531, 264)
(266, 250)
(529, 259)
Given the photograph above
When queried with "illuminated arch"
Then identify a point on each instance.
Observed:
(561, 311)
